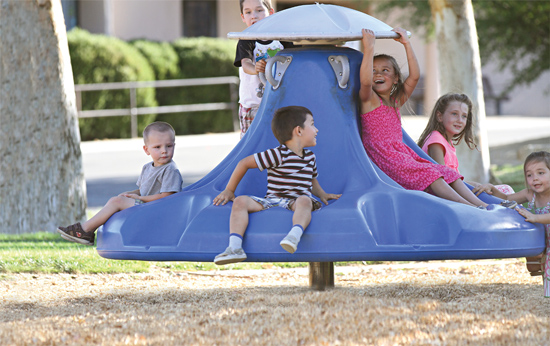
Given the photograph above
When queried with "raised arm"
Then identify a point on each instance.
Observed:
(366, 94)
(229, 193)
(414, 69)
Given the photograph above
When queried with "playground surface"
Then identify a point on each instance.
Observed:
(425, 303)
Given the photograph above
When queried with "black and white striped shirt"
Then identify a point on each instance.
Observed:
(288, 175)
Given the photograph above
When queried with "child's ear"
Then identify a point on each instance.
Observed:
(438, 116)
(146, 150)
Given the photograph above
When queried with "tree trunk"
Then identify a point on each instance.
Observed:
(41, 178)
(460, 72)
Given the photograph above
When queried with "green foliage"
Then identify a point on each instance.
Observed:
(417, 15)
(510, 175)
(514, 34)
(102, 59)
(517, 35)
(199, 58)
(161, 56)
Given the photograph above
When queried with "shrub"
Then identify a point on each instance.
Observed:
(161, 56)
(198, 58)
(102, 59)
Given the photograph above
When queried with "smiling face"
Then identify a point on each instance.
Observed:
(160, 145)
(537, 176)
(454, 119)
(253, 11)
(309, 132)
(383, 75)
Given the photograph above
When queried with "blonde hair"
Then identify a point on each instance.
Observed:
(435, 125)
(159, 126)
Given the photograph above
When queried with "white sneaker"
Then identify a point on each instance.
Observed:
(230, 256)
(289, 243)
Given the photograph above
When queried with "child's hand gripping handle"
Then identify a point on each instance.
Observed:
(268, 77)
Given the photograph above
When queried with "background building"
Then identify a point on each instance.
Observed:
(167, 20)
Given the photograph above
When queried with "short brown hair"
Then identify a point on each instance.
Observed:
(285, 121)
(266, 3)
(159, 126)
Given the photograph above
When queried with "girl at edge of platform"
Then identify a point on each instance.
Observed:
(537, 194)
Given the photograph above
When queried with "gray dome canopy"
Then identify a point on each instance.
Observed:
(316, 24)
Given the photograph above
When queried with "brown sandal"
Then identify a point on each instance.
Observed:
(534, 265)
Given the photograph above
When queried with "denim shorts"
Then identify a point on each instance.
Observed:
(282, 202)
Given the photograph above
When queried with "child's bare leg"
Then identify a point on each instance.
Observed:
(114, 204)
(238, 222)
(463, 190)
(300, 220)
(302, 211)
(441, 189)
(242, 206)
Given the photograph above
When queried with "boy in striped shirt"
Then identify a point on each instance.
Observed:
(291, 181)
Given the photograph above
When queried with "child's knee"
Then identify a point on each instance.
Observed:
(118, 201)
(240, 202)
(304, 202)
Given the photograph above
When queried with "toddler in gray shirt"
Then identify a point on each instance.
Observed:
(158, 179)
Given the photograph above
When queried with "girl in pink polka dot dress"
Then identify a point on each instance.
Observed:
(382, 93)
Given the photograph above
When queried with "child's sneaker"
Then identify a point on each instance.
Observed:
(76, 234)
(289, 243)
(230, 256)
(509, 204)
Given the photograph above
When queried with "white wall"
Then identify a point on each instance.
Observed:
(159, 20)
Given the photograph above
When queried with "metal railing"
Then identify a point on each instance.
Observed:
(134, 110)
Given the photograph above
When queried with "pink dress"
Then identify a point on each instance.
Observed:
(383, 141)
(546, 255)
(450, 157)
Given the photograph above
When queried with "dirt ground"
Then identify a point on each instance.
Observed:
(427, 303)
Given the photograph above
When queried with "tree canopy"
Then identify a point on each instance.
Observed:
(513, 34)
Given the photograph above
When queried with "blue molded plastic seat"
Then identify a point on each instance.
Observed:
(375, 219)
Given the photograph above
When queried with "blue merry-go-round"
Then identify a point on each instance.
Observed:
(375, 219)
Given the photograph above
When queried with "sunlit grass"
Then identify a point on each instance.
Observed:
(47, 253)
(511, 175)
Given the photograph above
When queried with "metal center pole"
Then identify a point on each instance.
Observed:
(321, 275)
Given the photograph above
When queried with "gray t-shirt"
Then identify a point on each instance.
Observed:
(154, 180)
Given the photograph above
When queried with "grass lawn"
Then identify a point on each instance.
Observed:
(510, 175)
(47, 253)
(43, 252)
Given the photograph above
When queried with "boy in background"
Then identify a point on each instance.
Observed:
(251, 59)
(158, 179)
(291, 181)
